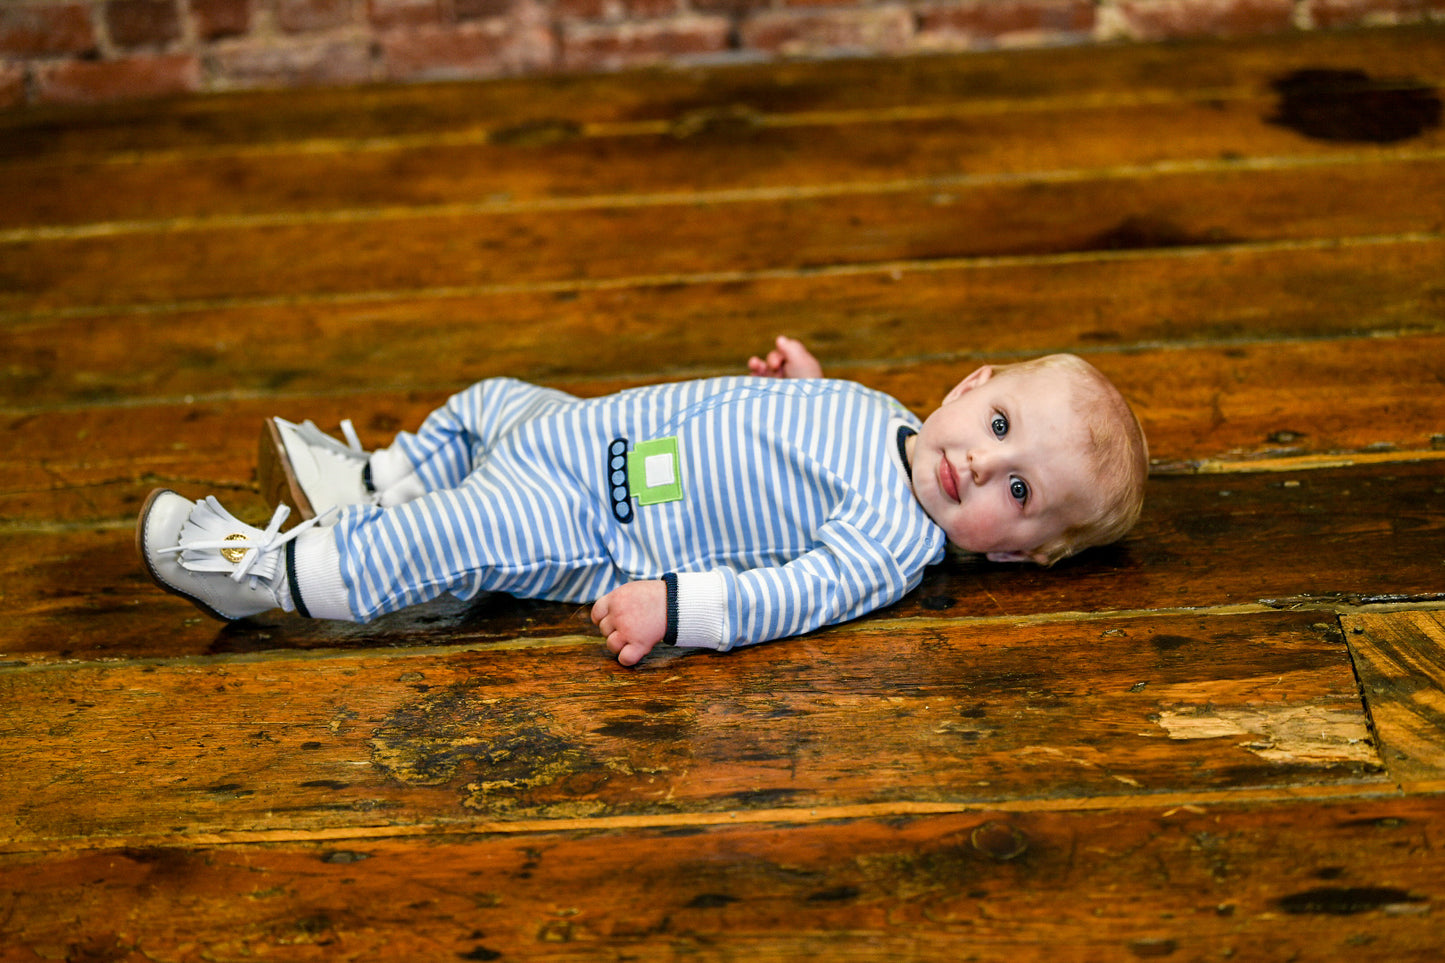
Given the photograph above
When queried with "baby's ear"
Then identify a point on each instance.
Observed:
(978, 377)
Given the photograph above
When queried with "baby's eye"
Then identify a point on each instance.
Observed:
(1019, 489)
(999, 425)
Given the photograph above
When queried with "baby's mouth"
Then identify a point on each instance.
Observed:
(947, 478)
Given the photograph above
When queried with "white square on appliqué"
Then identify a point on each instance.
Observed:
(658, 470)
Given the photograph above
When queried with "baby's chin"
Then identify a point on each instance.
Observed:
(958, 546)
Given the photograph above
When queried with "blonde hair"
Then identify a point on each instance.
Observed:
(1117, 447)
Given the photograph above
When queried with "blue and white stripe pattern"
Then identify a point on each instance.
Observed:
(796, 505)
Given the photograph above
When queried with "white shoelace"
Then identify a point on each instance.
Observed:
(316, 438)
(211, 533)
(353, 440)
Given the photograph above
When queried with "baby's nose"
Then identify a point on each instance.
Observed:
(980, 465)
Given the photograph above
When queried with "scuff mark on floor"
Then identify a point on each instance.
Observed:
(1310, 735)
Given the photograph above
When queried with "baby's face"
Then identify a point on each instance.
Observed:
(1002, 465)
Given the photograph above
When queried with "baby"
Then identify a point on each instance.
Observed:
(709, 513)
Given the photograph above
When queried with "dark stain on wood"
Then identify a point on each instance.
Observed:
(838, 894)
(999, 840)
(536, 133)
(1169, 643)
(458, 730)
(480, 953)
(730, 122)
(1140, 232)
(1347, 901)
(1349, 105)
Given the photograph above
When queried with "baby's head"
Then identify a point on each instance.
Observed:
(1032, 461)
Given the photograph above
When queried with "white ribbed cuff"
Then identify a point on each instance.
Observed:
(702, 610)
(318, 577)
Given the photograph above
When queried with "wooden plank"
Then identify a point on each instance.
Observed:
(248, 119)
(1204, 541)
(998, 767)
(651, 328)
(1222, 538)
(950, 712)
(1254, 404)
(804, 232)
(1323, 880)
(744, 153)
(1400, 660)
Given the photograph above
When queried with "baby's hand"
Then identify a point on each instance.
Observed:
(633, 618)
(788, 360)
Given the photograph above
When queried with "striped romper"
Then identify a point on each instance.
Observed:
(772, 507)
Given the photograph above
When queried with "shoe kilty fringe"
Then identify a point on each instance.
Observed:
(214, 540)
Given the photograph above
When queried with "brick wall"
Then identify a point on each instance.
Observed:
(59, 51)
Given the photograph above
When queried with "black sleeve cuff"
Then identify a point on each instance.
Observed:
(670, 636)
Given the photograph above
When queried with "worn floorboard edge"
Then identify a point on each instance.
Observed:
(484, 134)
(576, 285)
(33, 662)
(407, 212)
(1381, 789)
(1232, 466)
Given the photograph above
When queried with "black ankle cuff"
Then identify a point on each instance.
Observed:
(291, 579)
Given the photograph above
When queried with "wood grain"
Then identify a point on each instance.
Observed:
(951, 712)
(647, 329)
(1400, 659)
(999, 81)
(806, 232)
(1244, 406)
(1205, 541)
(1166, 749)
(734, 149)
(1327, 880)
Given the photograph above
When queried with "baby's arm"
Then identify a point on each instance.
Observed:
(847, 575)
(788, 360)
(633, 618)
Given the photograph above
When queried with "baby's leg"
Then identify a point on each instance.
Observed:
(476, 524)
(456, 437)
(232, 570)
(308, 470)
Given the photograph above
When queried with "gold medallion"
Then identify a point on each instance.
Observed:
(234, 555)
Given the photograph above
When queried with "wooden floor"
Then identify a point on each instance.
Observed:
(1223, 739)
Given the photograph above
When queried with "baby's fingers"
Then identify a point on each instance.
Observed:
(631, 653)
(599, 611)
(771, 367)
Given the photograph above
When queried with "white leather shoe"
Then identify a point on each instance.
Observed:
(201, 552)
(305, 468)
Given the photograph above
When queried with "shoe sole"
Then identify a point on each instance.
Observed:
(277, 477)
(140, 547)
